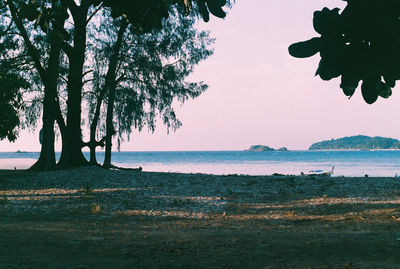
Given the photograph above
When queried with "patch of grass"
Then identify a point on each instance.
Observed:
(95, 208)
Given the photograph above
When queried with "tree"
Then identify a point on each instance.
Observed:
(142, 14)
(49, 17)
(359, 44)
(144, 80)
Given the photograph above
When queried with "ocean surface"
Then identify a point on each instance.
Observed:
(347, 163)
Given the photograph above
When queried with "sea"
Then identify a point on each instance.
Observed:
(347, 163)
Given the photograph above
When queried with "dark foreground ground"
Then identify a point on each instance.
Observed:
(93, 218)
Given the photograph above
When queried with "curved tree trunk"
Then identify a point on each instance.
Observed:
(110, 86)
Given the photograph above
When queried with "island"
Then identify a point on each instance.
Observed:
(260, 148)
(358, 142)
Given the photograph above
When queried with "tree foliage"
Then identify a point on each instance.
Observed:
(13, 83)
(54, 40)
(148, 14)
(151, 73)
(11, 102)
(155, 72)
(359, 44)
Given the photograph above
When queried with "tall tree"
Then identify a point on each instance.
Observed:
(144, 80)
(49, 16)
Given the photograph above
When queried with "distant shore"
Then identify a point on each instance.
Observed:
(351, 150)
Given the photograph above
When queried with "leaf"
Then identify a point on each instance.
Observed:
(370, 90)
(306, 48)
(384, 90)
(203, 10)
(326, 71)
(349, 84)
(326, 21)
(215, 7)
(390, 80)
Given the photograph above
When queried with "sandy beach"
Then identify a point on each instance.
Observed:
(16, 163)
(96, 218)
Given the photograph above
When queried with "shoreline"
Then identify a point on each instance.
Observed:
(16, 163)
(22, 164)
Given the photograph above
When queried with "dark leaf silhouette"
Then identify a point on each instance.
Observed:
(361, 43)
(306, 48)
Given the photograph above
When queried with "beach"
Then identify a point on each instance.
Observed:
(96, 218)
(16, 163)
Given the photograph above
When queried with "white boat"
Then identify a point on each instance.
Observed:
(319, 173)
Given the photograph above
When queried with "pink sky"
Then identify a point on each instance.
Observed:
(258, 93)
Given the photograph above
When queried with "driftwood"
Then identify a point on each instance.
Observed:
(125, 168)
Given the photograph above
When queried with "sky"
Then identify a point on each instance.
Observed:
(258, 93)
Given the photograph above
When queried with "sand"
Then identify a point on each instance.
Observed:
(16, 163)
(96, 218)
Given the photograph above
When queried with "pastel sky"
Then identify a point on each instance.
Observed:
(258, 93)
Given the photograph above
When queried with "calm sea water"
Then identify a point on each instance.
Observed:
(347, 163)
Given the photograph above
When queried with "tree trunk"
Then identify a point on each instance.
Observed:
(47, 159)
(110, 85)
(93, 128)
(110, 131)
(71, 155)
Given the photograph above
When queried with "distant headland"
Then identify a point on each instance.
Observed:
(358, 142)
(259, 148)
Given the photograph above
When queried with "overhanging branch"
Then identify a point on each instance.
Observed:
(31, 49)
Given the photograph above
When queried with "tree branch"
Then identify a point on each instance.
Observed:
(99, 143)
(59, 117)
(72, 7)
(67, 48)
(86, 81)
(31, 49)
(87, 72)
(120, 78)
(63, 78)
(94, 13)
